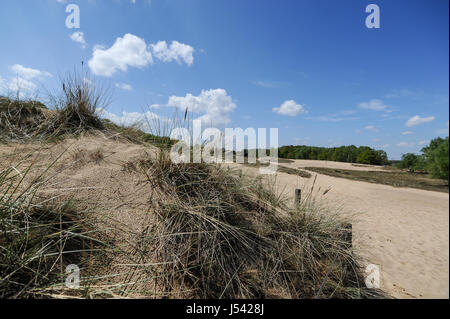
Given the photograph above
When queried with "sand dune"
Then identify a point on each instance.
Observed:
(403, 230)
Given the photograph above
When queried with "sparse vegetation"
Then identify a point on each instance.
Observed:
(20, 119)
(395, 178)
(74, 111)
(284, 169)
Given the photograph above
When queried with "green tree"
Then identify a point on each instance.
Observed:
(366, 157)
(409, 161)
(437, 158)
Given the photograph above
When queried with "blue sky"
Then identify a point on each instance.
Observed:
(310, 68)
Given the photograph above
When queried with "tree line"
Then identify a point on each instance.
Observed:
(349, 154)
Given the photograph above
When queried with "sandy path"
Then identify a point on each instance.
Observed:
(403, 230)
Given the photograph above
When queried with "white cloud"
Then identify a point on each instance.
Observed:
(124, 86)
(216, 105)
(176, 52)
(128, 119)
(407, 133)
(78, 37)
(370, 128)
(132, 51)
(290, 108)
(375, 105)
(27, 73)
(423, 142)
(417, 120)
(405, 144)
(21, 84)
(129, 51)
(18, 86)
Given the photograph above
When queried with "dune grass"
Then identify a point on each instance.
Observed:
(39, 236)
(73, 111)
(217, 235)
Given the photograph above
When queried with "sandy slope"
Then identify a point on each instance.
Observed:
(403, 230)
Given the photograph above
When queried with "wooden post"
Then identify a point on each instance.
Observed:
(298, 197)
(348, 236)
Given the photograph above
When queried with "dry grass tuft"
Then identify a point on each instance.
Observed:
(40, 236)
(220, 236)
(74, 110)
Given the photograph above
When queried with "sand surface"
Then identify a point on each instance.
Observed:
(404, 231)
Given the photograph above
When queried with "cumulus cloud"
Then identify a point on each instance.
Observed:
(28, 73)
(132, 51)
(374, 105)
(407, 133)
(290, 108)
(124, 86)
(129, 51)
(215, 105)
(417, 120)
(177, 51)
(78, 37)
(22, 83)
(140, 120)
